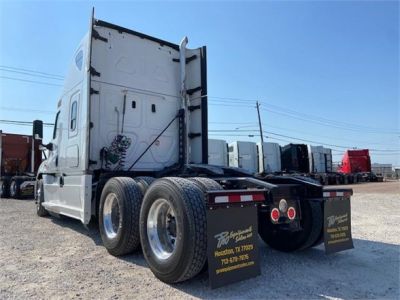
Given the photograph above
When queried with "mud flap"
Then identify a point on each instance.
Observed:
(232, 242)
(337, 225)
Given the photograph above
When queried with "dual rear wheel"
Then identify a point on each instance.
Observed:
(166, 217)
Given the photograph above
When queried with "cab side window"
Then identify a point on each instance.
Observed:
(55, 126)
(72, 125)
(73, 114)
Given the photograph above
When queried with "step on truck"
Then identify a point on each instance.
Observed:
(20, 158)
(129, 150)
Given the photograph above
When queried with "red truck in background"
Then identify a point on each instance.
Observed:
(356, 167)
(20, 158)
(355, 161)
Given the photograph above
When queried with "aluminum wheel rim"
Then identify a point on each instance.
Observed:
(111, 216)
(38, 195)
(162, 229)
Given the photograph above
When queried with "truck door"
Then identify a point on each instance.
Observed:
(51, 177)
(71, 162)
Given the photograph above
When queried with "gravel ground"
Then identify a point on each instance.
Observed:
(60, 258)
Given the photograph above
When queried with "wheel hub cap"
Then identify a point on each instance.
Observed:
(162, 229)
(111, 216)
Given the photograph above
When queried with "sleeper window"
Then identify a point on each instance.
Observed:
(74, 110)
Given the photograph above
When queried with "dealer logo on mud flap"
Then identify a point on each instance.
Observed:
(232, 239)
(337, 225)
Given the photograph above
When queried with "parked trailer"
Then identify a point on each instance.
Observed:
(295, 158)
(217, 152)
(272, 158)
(130, 148)
(243, 155)
(19, 159)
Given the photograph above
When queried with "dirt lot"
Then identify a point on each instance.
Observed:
(60, 258)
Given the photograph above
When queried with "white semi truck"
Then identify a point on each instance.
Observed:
(129, 148)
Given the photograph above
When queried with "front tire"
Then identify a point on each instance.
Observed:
(4, 188)
(15, 188)
(40, 210)
(119, 215)
(173, 229)
(288, 241)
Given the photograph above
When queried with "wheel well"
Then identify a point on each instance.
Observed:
(97, 194)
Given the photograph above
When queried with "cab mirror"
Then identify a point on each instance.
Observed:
(49, 147)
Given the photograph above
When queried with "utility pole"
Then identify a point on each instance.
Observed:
(262, 167)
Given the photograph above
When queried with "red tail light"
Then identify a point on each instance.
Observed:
(291, 213)
(275, 214)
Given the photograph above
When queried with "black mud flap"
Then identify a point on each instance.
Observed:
(337, 225)
(232, 236)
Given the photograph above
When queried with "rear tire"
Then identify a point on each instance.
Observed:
(206, 184)
(287, 241)
(40, 210)
(5, 188)
(15, 188)
(144, 182)
(119, 213)
(173, 229)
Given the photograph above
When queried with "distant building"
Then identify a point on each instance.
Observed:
(385, 170)
(396, 172)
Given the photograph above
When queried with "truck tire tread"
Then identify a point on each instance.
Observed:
(195, 249)
(128, 239)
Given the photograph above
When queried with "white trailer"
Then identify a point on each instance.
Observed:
(217, 152)
(272, 157)
(316, 158)
(243, 155)
(328, 160)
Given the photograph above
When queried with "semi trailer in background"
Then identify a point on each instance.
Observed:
(20, 158)
(130, 149)
(272, 158)
(243, 155)
(217, 152)
(295, 158)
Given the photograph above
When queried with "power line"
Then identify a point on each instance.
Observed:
(301, 139)
(30, 74)
(226, 100)
(299, 131)
(23, 123)
(32, 71)
(31, 81)
(27, 110)
(321, 119)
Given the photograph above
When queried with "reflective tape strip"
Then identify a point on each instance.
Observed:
(238, 198)
(245, 198)
(221, 199)
(336, 194)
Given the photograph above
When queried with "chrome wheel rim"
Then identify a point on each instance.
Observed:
(162, 229)
(111, 216)
(38, 195)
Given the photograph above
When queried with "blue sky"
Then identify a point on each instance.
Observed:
(326, 72)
